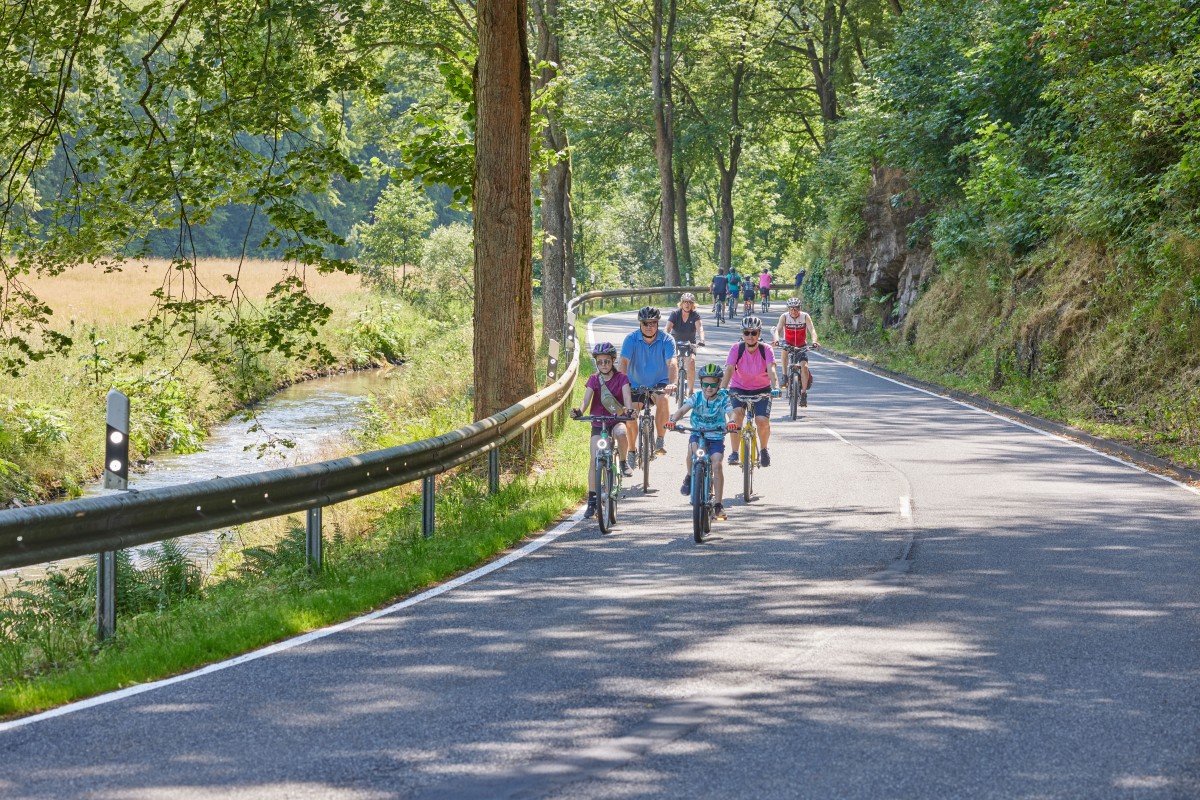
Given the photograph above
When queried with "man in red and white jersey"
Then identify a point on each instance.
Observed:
(796, 328)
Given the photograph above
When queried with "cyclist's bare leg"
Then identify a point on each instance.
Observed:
(622, 440)
(718, 478)
(631, 428)
(591, 472)
(662, 412)
(763, 424)
(785, 370)
(739, 415)
(691, 368)
(805, 376)
(691, 452)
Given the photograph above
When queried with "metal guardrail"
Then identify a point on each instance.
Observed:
(84, 527)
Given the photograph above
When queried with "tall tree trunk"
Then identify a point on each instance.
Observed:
(728, 170)
(503, 337)
(681, 216)
(557, 224)
(664, 133)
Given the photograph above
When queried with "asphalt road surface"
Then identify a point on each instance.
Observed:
(925, 601)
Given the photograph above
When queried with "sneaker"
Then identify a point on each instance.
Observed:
(764, 459)
(659, 447)
(733, 459)
(686, 488)
(631, 462)
(804, 399)
(591, 507)
(627, 468)
(719, 512)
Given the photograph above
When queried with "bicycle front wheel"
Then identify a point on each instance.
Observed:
(747, 468)
(794, 391)
(603, 494)
(699, 487)
(646, 448)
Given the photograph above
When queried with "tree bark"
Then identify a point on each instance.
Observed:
(728, 169)
(558, 235)
(681, 216)
(664, 133)
(503, 338)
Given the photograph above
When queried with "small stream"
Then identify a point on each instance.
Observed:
(316, 415)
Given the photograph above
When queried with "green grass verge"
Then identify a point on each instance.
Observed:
(269, 595)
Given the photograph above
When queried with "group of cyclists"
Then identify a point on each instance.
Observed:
(645, 370)
(733, 286)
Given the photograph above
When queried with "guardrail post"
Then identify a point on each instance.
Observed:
(494, 470)
(552, 356)
(106, 595)
(313, 542)
(428, 487)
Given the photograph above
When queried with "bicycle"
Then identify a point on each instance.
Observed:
(766, 303)
(748, 451)
(608, 473)
(795, 377)
(719, 312)
(702, 491)
(645, 417)
(684, 350)
(731, 301)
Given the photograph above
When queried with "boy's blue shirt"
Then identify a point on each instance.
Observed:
(710, 414)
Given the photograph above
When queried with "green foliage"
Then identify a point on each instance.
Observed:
(392, 241)
(448, 261)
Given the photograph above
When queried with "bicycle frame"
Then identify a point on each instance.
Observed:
(607, 472)
(748, 448)
(702, 492)
(795, 376)
(645, 445)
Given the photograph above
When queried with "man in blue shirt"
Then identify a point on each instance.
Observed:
(648, 359)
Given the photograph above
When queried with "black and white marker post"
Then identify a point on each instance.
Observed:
(116, 476)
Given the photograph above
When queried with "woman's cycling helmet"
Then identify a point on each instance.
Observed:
(687, 297)
(710, 371)
(793, 302)
(751, 323)
(648, 313)
(604, 349)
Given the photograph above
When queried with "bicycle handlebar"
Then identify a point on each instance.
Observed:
(602, 418)
(687, 429)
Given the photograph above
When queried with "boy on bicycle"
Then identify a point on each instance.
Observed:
(711, 410)
(612, 400)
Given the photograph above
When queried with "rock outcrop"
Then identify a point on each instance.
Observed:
(878, 277)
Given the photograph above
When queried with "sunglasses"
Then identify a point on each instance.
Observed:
(707, 385)
(751, 333)
(651, 324)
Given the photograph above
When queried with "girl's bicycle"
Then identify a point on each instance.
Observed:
(608, 472)
(702, 490)
(748, 451)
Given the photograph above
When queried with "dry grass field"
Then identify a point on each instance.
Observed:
(90, 296)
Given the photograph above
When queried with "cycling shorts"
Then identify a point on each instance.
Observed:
(614, 428)
(639, 395)
(766, 293)
(715, 447)
(762, 406)
(719, 297)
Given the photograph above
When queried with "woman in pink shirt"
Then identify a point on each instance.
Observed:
(749, 370)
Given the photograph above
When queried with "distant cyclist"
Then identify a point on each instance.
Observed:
(685, 327)
(750, 369)
(796, 328)
(710, 409)
(764, 284)
(606, 393)
(735, 286)
(648, 358)
(720, 285)
(748, 296)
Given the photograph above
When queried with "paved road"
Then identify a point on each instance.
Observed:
(1042, 639)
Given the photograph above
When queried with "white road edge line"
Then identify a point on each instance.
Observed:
(905, 507)
(835, 434)
(1002, 418)
(543, 540)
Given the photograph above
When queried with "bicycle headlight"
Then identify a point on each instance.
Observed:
(700, 452)
(602, 444)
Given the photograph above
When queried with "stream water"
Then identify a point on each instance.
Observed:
(317, 416)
